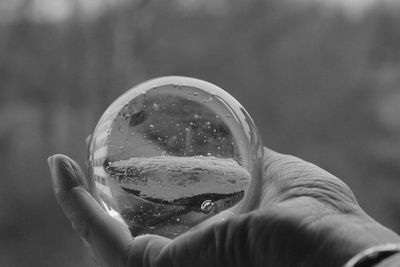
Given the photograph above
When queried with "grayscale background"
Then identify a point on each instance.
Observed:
(321, 79)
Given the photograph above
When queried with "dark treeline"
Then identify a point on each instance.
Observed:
(320, 84)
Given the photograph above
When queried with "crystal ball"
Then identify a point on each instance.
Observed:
(172, 152)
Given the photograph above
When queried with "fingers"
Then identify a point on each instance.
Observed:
(107, 237)
(287, 177)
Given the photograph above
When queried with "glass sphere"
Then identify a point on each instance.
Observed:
(172, 152)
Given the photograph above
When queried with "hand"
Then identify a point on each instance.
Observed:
(304, 216)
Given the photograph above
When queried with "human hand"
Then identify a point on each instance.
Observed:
(304, 216)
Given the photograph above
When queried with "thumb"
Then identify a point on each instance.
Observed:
(107, 237)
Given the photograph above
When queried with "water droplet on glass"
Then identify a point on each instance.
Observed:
(179, 163)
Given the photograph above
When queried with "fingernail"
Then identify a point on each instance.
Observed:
(63, 174)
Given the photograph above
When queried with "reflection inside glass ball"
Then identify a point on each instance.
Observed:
(170, 153)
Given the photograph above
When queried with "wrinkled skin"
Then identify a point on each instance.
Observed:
(304, 217)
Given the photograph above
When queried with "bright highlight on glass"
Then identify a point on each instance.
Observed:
(170, 153)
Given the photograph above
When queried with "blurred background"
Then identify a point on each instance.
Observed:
(320, 78)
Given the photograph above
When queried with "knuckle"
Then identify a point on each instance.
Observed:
(292, 177)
